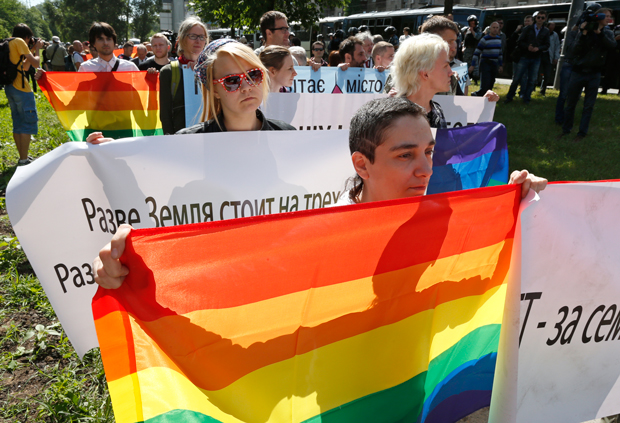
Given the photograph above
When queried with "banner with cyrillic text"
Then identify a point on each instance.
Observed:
(67, 205)
(568, 330)
(328, 80)
(326, 111)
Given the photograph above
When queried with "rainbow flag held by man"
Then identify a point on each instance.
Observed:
(381, 312)
(119, 104)
(470, 157)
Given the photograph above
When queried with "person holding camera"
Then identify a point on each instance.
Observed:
(594, 41)
(19, 94)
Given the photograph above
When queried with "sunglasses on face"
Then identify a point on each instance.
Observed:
(317, 49)
(540, 17)
(232, 83)
(282, 28)
(195, 37)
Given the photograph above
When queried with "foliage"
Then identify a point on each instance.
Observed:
(13, 12)
(239, 13)
(145, 15)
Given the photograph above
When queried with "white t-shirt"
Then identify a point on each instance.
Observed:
(77, 57)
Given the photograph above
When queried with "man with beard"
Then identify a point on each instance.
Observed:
(160, 46)
(352, 54)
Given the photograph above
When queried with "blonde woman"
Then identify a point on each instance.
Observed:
(192, 39)
(421, 69)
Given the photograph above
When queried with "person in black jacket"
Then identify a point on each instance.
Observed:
(534, 40)
(591, 48)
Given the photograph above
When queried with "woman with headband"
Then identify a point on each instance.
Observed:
(234, 84)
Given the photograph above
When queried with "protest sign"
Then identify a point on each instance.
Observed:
(462, 75)
(66, 205)
(327, 111)
(193, 97)
(568, 331)
(328, 80)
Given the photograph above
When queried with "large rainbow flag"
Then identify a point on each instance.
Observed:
(119, 104)
(381, 312)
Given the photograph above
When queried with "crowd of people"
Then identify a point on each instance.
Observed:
(532, 52)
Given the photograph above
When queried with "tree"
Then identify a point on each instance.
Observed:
(12, 12)
(239, 13)
(145, 15)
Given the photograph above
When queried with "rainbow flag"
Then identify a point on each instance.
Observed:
(381, 312)
(472, 156)
(119, 104)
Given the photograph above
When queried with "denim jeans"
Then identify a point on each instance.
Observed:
(578, 82)
(526, 68)
(559, 105)
(488, 73)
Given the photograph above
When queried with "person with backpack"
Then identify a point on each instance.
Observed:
(16, 58)
(56, 54)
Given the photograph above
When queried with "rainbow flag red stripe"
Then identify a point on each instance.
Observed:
(119, 104)
(382, 312)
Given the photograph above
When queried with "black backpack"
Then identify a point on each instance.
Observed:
(8, 69)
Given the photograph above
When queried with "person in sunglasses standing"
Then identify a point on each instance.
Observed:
(191, 41)
(234, 85)
(318, 50)
(275, 30)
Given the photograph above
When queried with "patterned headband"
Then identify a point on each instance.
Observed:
(200, 69)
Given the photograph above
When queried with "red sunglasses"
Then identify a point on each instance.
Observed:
(232, 83)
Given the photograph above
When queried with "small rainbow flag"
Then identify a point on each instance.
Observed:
(381, 312)
(472, 156)
(119, 104)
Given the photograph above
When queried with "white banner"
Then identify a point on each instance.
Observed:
(66, 205)
(327, 111)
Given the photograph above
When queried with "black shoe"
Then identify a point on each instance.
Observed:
(562, 135)
(579, 138)
(604, 92)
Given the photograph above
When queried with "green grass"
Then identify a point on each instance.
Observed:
(41, 377)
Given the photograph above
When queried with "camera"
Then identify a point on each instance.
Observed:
(33, 41)
(590, 17)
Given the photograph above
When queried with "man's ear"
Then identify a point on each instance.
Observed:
(360, 163)
(348, 58)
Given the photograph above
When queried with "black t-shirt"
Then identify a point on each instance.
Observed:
(150, 63)
(212, 126)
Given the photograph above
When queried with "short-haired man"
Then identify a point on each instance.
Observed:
(352, 54)
(275, 30)
(77, 57)
(382, 55)
(56, 54)
(19, 94)
(103, 38)
(488, 55)
(533, 42)
(592, 45)
(161, 47)
(141, 55)
(127, 51)
(299, 53)
(549, 59)
(406, 35)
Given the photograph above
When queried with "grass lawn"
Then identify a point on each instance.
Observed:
(42, 379)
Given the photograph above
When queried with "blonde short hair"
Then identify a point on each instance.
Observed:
(160, 35)
(185, 28)
(416, 54)
(237, 51)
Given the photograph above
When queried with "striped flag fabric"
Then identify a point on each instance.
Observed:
(119, 104)
(468, 157)
(380, 312)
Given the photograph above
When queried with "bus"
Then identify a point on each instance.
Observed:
(412, 18)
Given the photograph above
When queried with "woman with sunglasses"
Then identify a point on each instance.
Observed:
(279, 62)
(318, 50)
(234, 84)
(192, 39)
